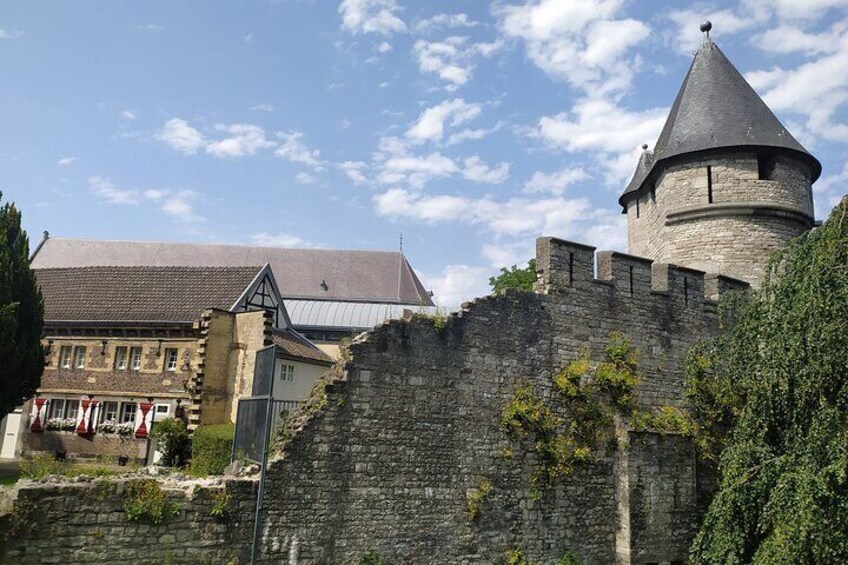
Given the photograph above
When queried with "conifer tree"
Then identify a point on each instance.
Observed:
(21, 315)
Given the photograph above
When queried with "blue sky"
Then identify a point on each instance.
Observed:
(472, 127)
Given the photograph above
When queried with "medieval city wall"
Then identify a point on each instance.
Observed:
(86, 522)
(413, 428)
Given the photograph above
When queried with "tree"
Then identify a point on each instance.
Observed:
(514, 277)
(779, 380)
(21, 315)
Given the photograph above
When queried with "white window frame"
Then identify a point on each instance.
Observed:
(79, 357)
(286, 373)
(122, 357)
(54, 411)
(157, 411)
(135, 358)
(71, 403)
(123, 412)
(104, 412)
(65, 355)
(172, 358)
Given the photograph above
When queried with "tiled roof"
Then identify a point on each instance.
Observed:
(298, 347)
(716, 108)
(124, 294)
(370, 276)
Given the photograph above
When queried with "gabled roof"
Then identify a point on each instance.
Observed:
(716, 108)
(140, 294)
(295, 346)
(373, 276)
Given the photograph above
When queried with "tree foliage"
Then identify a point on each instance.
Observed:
(21, 315)
(779, 381)
(514, 277)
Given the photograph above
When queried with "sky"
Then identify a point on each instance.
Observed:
(470, 127)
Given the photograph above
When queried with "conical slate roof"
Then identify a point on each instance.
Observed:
(717, 108)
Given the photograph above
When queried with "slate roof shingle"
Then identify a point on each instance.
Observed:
(717, 108)
(297, 347)
(376, 276)
(140, 294)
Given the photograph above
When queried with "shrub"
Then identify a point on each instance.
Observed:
(173, 441)
(211, 449)
(41, 466)
(145, 500)
(372, 557)
(475, 499)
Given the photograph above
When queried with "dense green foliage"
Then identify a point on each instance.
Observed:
(565, 428)
(514, 277)
(21, 315)
(779, 382)
(172, 440)
(211, 449)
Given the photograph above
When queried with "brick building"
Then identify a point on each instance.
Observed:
(127, 345)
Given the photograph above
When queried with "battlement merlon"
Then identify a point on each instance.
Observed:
(564, 264)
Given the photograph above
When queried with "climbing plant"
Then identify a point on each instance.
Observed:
(778, 381)
(566, 427)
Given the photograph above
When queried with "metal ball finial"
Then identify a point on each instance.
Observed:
(706, 27)
(644, 147)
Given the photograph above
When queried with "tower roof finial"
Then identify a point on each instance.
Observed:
(706, 27)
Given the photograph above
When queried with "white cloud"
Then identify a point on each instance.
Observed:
(179, 135)
(415, 170)
(292, 148)
(280, 239)
(477, 170)
(65, 161)
(355, 171)
(457, 284)
(829, 190)
(791, 10)
(174, 203)
(6, 34)
(816, 88)
(791, 39)
(611, 133)
(384, 47)
(445, 21)
(686, 37)
(579, 41)
(430, 125)
(129, 115)
(507, 254)
(556, 182)
(244, 140)
(263, 107)
(305, 178)
(371, 16)
(473, 134)
(452, 59)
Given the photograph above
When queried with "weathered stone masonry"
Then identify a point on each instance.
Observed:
(414, 425)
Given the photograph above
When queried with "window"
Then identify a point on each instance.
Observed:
(71, 409)
(162, 411)
(121, 358)
(170, 359)
(79, 357)
(765, 167)
(709, 184)
(108, 411)
(57, 408)
(637, 207)
(128, 410)
(135, 358)
(287, 373)
(65, 357)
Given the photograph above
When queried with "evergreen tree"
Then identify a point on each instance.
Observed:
(514, 277)
(21, 315)
(779, 381)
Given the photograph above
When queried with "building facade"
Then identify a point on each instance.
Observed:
(129, 346)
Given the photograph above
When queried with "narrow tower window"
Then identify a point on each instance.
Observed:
(571, 268)
(765, 167)
(686, 291)
(631, 281)
(637, 207)
(709, 184)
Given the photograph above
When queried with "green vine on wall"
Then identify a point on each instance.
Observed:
(566, 427)
(144, 500)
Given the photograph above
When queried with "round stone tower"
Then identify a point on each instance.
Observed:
(726, 184)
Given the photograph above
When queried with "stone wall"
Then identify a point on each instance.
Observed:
(747, 220)
(85, 522)
(413, 427)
